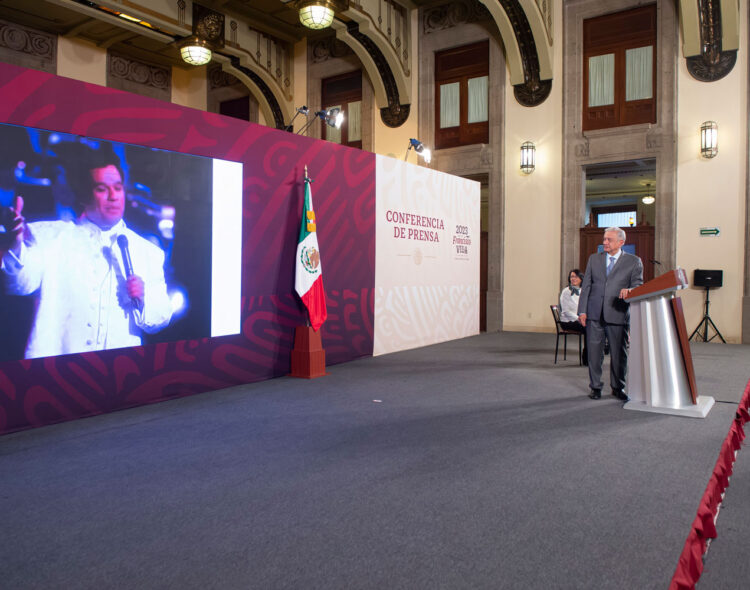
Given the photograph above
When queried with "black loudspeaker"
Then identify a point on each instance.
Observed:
(707, 278)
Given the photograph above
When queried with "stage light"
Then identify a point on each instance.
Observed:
(303, 110)
(528, 157)
(333, 117)
(420, 148)
(195, 51)
(709, 139)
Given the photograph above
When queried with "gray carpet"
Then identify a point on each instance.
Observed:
(482, 465)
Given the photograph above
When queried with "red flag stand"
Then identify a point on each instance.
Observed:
(308, 355)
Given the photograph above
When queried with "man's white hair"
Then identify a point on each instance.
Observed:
(616, 230)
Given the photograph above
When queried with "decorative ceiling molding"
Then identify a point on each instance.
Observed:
(273, 111)
(454, 13)
(715, 58)
(28, 41)
(378, 68)
(528, 47)
(328, 48)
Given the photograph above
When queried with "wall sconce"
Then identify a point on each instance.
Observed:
(709, 139)
(420, 148)
(318, 14)
(332, 117)
(528, 157)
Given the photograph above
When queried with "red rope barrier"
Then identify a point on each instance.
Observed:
(690, 563)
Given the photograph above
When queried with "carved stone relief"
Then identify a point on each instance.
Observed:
(713, 63)
(328, 48)
(126, 73)
(218, 78)
(28, 47)
(446, 16)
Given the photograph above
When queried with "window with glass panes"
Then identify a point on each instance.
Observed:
(619, 59)
(344, 92)
(462, 95)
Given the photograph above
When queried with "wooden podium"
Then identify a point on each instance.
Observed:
(661, 377)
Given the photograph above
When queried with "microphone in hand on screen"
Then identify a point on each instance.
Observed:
(122, 241)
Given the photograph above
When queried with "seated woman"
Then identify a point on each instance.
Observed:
(569, 307)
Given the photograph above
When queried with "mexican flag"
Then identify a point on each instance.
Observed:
(308, 280)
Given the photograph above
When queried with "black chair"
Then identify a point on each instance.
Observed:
(565, 333)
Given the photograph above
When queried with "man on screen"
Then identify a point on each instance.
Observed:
(100, 285)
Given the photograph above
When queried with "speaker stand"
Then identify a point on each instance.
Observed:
(704, 325)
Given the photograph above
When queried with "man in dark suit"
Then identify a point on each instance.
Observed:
(610, 276)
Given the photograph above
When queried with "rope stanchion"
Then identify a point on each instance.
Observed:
(703, 529)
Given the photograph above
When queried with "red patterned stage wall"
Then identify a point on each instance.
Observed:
(44, 391)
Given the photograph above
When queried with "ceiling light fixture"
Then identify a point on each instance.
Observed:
(648, 199)
(208, 35)
(195, 51)
(316, 14)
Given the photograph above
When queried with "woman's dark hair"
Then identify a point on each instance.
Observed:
(578, 272)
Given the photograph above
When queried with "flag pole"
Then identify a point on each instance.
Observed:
(306, 180)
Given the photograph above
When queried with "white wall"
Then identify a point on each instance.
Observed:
(711, 192)
(533, 208)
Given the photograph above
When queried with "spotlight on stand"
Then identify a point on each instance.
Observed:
(332, 117)
(303, 110)
(420, 148)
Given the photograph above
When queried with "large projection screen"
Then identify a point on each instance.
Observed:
(426, 258)
(182, 229)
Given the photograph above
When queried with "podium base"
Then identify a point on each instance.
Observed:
(308, 355)
(700, 410)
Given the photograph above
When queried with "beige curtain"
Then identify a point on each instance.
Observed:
(602, 80)
(449, 105)
(354, 120)
(478, 99)
(638, 73)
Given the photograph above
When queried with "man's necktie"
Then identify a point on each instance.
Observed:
(610, 265)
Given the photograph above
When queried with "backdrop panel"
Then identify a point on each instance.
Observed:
(427, 259)
(52, 389)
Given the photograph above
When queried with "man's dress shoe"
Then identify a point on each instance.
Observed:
(596, 394)
(621, 395)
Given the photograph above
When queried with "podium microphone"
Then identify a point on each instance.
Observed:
(122, 241)
(652, 261)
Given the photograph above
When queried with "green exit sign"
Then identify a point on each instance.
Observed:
(709, 231)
